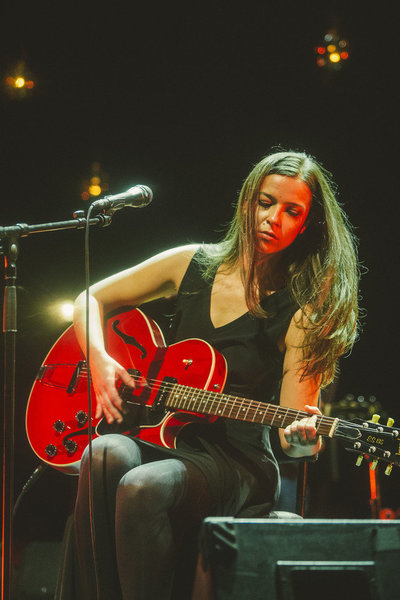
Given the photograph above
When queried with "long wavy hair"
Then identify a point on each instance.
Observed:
(320, 267)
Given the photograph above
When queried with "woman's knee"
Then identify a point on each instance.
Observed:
(112, 451)
(153, 487)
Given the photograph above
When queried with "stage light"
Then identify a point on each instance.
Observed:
(66, 311)
(97, 183)
(94, 190)
(19, 83)
(334, 57)
(331, 53)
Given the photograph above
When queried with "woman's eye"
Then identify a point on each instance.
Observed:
(265, 203)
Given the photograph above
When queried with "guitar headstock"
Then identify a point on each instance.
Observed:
(372, 440)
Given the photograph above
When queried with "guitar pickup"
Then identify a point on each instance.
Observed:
(163, 392)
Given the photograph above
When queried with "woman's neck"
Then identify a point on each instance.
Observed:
(266, 273)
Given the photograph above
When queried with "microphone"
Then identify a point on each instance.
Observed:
(137, 197)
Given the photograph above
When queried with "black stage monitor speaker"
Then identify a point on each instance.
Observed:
(285, 559)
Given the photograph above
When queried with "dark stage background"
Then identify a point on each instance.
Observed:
(185, 98)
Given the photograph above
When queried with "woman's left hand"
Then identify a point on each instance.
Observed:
(304, 433)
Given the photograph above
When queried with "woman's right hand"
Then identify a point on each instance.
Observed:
(105, 373)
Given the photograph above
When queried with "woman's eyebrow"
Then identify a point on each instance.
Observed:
(270, 196)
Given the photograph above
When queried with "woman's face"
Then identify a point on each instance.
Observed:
(282, 207)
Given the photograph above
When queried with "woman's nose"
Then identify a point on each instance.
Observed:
(274, 216)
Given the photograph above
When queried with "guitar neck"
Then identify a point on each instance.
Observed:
(191, 399)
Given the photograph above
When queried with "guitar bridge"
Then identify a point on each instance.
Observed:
(75, 377)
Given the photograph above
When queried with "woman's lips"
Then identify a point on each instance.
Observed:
(268, 235)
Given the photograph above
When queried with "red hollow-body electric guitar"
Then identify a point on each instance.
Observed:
(176, 385)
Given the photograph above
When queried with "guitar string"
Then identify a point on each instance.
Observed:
(233, 402)
(285, 415)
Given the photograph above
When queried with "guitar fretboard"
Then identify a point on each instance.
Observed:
(242, 409)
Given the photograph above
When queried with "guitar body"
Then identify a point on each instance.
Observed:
(57, 415)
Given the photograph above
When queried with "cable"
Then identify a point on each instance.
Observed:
(28, 484)
(89, 393)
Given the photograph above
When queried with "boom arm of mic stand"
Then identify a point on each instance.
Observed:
(79, 222)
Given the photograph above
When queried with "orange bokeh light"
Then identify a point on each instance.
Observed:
(19, 82)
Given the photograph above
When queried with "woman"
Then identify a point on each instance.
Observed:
(278, 298)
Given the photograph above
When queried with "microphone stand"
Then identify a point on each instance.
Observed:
(9, 237)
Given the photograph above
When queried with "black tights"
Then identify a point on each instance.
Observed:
(143, 504)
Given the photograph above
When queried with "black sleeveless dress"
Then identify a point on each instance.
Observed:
(234, 455)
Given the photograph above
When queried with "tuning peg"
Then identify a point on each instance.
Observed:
(359, 460)
(375, 418)
(390, 422)
(388, 469)
(373, 464)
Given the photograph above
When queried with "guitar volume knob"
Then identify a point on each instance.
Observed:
(81, 417)
(59, 426)
(51, 450)
(71, 446)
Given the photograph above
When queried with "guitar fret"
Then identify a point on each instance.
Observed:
(184, 399)
(255, 408)
(276, 416)
(239, 414)
(247, 411)
(195, 394)
(208, 401)
(232, 406)
(188, 395)
(212, 410)
(238, 409)
(255, 412)
(258, 413)
(220, 398)
(178, 396)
